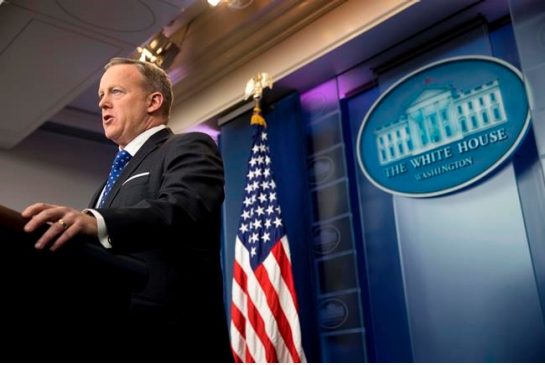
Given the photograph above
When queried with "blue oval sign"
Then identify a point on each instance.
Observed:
(444, 126)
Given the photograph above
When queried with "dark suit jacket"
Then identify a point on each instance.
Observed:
(165, 210)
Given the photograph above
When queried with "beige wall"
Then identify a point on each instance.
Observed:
(51, 167)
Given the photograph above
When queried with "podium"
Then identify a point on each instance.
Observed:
(64, 306)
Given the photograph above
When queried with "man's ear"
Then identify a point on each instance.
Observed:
(155, 100)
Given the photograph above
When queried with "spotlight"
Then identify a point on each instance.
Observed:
(159, 50)
(234, 4)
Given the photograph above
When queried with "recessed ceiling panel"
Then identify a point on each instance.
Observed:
(128, 21)
(111, 14)
(57, 63)
(7, 138)
(12, 21)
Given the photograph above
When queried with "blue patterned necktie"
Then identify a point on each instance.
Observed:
(119, 163)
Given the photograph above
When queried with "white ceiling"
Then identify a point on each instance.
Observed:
(52, 51)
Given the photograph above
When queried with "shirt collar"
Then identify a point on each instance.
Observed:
(139, 140)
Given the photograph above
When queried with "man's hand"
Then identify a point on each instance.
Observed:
(64, 224)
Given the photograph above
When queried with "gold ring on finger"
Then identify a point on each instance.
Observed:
(62, 223)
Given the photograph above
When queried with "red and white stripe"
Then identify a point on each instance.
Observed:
(264, 319)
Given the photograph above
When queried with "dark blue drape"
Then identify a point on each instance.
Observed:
(286, 136)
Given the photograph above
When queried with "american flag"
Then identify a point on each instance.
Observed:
(264, 318)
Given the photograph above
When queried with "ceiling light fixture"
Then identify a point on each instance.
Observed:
(233, 4)
(159, 50)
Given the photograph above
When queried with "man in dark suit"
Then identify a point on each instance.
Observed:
(163, 208)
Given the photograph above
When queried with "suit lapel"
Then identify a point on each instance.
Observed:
(96, 195)
(151, 145)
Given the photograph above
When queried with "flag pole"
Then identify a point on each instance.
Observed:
(255, 87)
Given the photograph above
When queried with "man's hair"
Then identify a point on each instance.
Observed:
(155, 79)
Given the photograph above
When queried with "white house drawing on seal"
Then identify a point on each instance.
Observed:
(439, 116)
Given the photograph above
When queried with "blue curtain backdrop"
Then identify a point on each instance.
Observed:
(288, 154)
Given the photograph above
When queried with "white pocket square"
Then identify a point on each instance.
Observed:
(135, 177)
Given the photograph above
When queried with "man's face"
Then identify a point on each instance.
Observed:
(124, 103)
